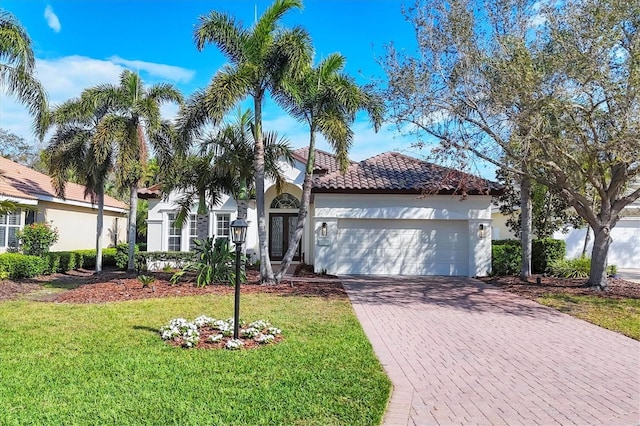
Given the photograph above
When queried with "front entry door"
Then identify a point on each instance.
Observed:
(281, 227)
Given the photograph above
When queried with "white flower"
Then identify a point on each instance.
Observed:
(203, 320)
(215, 337)
(234, 344)
(264, 338)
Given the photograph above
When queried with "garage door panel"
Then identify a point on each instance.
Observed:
(405, 247)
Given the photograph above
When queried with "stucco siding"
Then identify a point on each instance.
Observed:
(402, 234)
(77, 226)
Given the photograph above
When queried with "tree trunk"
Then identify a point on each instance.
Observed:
(587, 238)
(99, 229)
(133, 211)
(598, 270)
(526, 210)
(303, 212)
(266, 272)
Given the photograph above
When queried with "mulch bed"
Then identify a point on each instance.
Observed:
(617, 289)
(117, 286)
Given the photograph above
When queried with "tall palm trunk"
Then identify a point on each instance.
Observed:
(99, 228)
(303, 212)
(133, 211)
(526, 210)
(266, 272)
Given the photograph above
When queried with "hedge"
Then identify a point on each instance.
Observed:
(507, 255)
(17, 265)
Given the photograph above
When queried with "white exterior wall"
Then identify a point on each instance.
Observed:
(624, 251)
(331, 208)
(77, 226)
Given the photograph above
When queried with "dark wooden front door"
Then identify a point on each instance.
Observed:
(281, 226)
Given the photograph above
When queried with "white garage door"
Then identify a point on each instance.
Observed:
(624, 251)
(402, 247)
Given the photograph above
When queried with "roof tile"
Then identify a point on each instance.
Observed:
(20, 181)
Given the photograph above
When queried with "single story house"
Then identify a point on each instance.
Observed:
(389, 214)
(624, 251)
(75, 217)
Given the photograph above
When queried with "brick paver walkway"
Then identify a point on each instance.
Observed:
(461, 352)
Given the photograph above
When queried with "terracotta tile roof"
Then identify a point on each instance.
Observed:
(20, 181)
(325, 162)
(392, 172)
(153, 191)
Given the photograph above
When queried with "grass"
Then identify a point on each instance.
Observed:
(105, 364)
(621, 315)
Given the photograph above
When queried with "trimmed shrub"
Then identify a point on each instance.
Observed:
(108, 257)
(122, 255)
(544, 252)
(505, 259)
(22, 266)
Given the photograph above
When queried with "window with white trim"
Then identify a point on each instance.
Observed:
(193, 231)
(222, 225)
(175, 234)
(9, 225)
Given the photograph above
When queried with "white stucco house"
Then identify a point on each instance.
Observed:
(372, 220)
(624, 251)
(75, 216)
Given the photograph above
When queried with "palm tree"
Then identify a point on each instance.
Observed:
(17, 66)
(133, 116)
(72, 152)
(225, 164)
(327, 100)
(259, 60)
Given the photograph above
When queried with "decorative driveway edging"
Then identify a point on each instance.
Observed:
(459, 351)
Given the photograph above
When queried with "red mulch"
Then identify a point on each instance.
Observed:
(116, 286)
(617, 288)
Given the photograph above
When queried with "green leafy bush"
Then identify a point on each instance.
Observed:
(22, 266)
(108, 257)
(215, 263)
(37, 238)
(121, 256)
(505, 259)
(544, 252)
(571, 268)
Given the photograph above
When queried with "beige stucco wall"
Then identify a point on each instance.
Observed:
(499, 228)
(77, 226)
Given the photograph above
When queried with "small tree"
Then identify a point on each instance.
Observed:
(36, 239)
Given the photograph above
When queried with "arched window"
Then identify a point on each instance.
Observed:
(285, 201)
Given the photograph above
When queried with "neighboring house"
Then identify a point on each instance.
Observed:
(624, 251)
(75, 216)
(374, 219)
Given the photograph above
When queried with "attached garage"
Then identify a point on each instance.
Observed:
(397, 215)
(402, 247)
(624, 251)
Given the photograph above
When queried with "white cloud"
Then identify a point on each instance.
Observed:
(64, 78)
(170, 72)
(52, 19)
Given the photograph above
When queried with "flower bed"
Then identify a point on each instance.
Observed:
(210, 333)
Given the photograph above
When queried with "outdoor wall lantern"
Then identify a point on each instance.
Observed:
(482, 230)
(323, 230)
(238, 237)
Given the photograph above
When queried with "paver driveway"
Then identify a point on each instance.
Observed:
(462, 352)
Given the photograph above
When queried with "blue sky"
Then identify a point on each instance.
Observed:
(80, 43)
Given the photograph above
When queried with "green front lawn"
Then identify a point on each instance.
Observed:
(106, 364)
(621, 315)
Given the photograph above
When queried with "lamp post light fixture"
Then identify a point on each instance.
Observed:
(238, 237)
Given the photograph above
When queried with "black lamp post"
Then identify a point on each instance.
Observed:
(238, 237)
